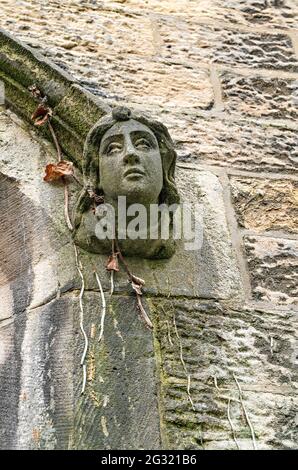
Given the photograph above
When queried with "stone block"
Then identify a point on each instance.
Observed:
(208, 270)
(132, 80)
(119, 409)
(260, 97)
(194, 43)
(240, 144)
(263, 205)
(205, 349)
(273, 266)
(260, 13)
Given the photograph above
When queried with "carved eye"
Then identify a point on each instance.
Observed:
(114, 147)
(143, 144)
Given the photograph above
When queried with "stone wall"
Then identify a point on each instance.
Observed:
(223, 76)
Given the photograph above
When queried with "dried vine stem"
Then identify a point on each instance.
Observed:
(78, 265)
(66, 193)
(66, 207)
(143, 313)
(229, 399)
(136, 284)
(103, 303)
(246, 414)
(59, 154)
(223, 396)
(42, 116)
(112, 282)
(231, 424)
(183, 364)
(112, 271)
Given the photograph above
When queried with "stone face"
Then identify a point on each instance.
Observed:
(263, 205)
(273, 269)
(223, 77)
(274, 98)
(204, 349)
(210, 260)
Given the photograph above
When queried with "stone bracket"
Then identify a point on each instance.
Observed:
(75, 109)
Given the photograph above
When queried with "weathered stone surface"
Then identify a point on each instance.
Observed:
(119, 409)
(22, 68)
(41, 378)
(218, 116)
(263, 205)
(191, 42)
(212, 270)
(40, 338)
(32, 233)
(32, 230)
(260, 97)
(119, 80)
(266, 13)
(238, 144)
(273, 269)
(213, 346)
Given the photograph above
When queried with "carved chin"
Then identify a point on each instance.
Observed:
(137, 191)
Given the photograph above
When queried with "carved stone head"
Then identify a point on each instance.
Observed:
(126, 154)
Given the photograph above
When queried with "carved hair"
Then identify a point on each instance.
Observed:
(169, 194)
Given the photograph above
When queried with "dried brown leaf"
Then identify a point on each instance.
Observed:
(112, 264)
(41, 115)
(55, 171)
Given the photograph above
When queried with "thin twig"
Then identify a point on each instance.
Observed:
(112, 271)
(66, 206)
(78, 181)
(143, 313)
(66, 193)
(84, 379)
(183, 364)
(81, 306)
(59, 154)
(229, 399)
(129, 273)
(112, 282)
(188, 393)
(169, 333)
(215, 383)
(246, 414)
(221, 389)
(133, 279)
(231, 424)
(103, 304)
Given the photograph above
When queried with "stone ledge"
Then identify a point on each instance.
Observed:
(21, 67)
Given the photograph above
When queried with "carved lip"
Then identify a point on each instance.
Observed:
(134, 171)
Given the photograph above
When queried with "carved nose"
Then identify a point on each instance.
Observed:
(131, 158)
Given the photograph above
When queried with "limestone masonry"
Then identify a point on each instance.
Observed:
(223, 77)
